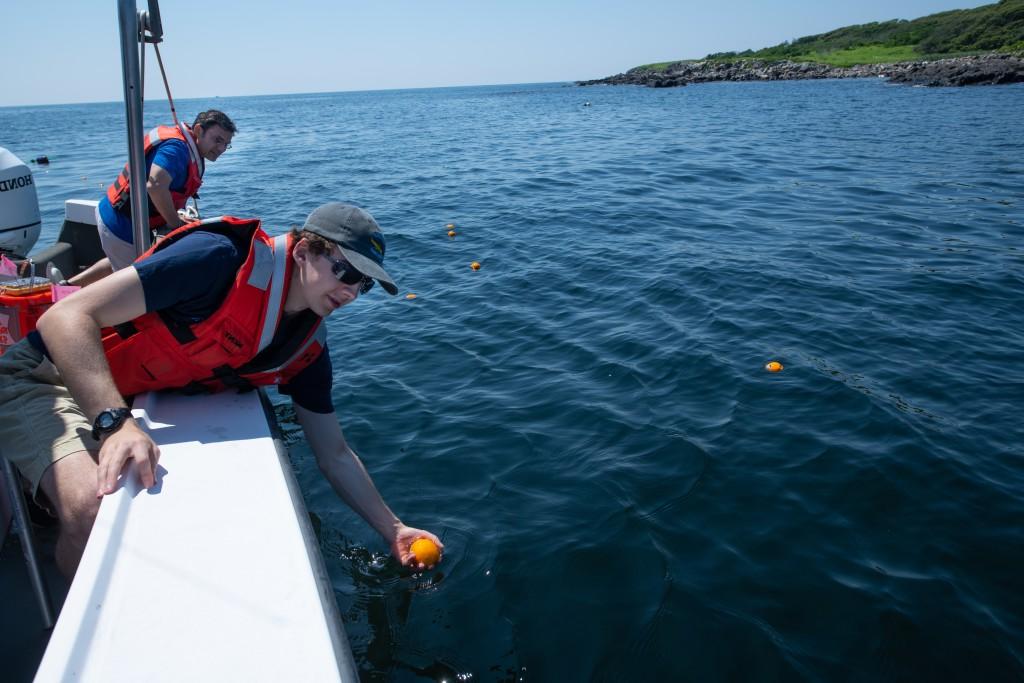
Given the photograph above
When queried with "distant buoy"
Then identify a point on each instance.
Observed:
(425, 551)
(451, 233)
(773, 366)
(474, 265)
(41, 160)
(410, 295)
(586, 104)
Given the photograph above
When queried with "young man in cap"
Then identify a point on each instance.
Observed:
(217, 304)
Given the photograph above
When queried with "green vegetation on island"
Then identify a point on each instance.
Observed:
(991, 28)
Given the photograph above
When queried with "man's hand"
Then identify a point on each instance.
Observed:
(129, 444)
(188, 214)
(404, 537)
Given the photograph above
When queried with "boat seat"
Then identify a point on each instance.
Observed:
(28, 542)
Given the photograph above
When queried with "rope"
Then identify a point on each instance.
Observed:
(167, 87)
(170, 100)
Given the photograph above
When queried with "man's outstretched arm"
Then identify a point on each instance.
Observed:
(350, 480)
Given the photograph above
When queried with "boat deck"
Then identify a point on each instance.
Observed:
(22, 636)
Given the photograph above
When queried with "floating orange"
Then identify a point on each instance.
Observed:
(410, 295)
(426, 551)
(773, 366)
(450, 226)
(451, 233)
(474, 265)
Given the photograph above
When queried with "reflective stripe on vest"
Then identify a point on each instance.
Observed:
(193, 151)
(275, 303)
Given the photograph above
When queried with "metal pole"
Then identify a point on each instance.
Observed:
(28, 545)
(131, 35)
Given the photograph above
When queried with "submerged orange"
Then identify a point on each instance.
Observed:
(773, 366)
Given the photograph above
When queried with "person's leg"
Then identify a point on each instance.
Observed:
(96, 271)
(70, 484)
(45, 435)
(119, 252)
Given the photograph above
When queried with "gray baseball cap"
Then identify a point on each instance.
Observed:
(358, 236)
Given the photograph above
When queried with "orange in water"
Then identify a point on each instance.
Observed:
(451, 233)
(773, 366)
(426, 551)
(474, 265)
(410, 295)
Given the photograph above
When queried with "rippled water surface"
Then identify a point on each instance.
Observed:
(624, 492)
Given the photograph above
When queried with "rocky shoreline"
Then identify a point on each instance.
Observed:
(989, 69)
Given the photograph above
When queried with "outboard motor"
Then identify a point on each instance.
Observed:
(19, 206)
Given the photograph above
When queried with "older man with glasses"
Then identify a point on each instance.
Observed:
(176, 159)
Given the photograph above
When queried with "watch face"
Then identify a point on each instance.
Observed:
(105, 420)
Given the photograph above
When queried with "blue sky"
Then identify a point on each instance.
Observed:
(68, 51)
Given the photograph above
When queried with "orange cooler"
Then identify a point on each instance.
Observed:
(22, 302)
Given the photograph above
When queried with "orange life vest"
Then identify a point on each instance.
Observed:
(156, 352)
(119, 192)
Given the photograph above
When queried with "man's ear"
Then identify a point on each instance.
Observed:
(300, 252)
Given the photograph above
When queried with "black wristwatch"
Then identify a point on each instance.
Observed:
(109, 420)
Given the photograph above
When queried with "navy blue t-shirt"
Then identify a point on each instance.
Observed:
(189, 279)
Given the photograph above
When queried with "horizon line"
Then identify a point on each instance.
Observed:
(281, 94)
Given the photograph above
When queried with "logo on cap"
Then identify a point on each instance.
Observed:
(377, 247)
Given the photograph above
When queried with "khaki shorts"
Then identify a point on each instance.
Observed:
(120, 253)
(39, 421)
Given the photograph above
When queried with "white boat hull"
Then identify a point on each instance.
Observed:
(213, 575)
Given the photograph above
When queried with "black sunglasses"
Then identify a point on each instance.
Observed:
(347, 274)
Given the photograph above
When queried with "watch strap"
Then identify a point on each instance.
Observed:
(119, 415)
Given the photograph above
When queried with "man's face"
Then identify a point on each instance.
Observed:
(212, 141)
(324, 292)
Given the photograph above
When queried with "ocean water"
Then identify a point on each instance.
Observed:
(624, 492)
